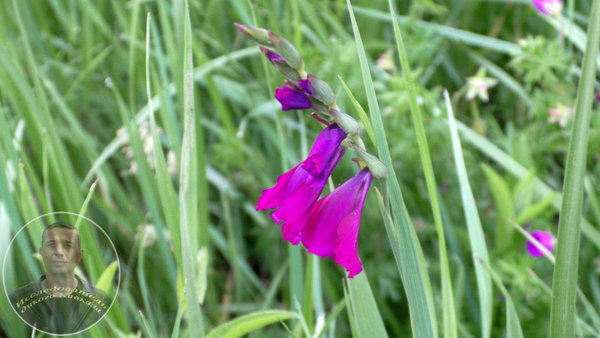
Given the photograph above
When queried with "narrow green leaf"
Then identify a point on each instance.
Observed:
(476, 238)
(86, 202)
(410, 261)
(448, 308)
(248, 323)
(564, 281)
(366, 314)
(105, 282)
(513, 325)
(504, 207)
(188, 187)
(535, 210)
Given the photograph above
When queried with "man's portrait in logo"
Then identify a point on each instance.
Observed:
(61, 299)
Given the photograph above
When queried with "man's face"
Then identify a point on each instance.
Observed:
(60, 251)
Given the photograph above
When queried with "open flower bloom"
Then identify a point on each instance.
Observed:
(478, 85)
(292, 97)
(297, 190)
(549, 7)
(334, 221)
(546, 239)
(560, 114)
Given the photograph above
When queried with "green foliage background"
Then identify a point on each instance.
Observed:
(73, 73)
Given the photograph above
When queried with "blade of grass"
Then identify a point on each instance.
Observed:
(366, 314)
(564, 281)
(448, 309)
(248, 323)
(410, 263)
(452, 33)
(513, 325)
(188, 193)
(476, 238)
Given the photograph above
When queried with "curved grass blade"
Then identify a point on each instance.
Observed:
(248, 323)
(476, 238)
(513, 325)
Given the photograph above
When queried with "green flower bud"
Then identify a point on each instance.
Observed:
(376, 167)
(287, 51)
(345, 121)
(259, 35)
(321, 90)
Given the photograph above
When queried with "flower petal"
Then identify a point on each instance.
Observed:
(346, 247)
(334, 220)
(292, 99)
(271, 197)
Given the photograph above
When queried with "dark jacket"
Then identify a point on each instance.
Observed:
(72, 313)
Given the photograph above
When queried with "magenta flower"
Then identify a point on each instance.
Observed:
(292, 97)
(334, 221)
(549, 7)
(545, 238)
(295, 191)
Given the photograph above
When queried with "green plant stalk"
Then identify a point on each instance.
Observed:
(448, 309)
(564, 281)
(411, 263)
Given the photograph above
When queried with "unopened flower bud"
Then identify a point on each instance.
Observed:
(319, 89)
(280, 64)
(376, 167)
(345, 121)
(287, 51)
(259, 35)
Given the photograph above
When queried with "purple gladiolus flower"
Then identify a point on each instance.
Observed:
(545, 238)
(292, 98)
(295, 191)
(334, 220)
(549, 7)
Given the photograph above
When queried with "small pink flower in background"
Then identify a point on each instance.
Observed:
(295, 191)
(549, 7)
(292, 97)
(478, 85)
(561, 114)
(546, 239)
(334, 222)
(386, 62)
